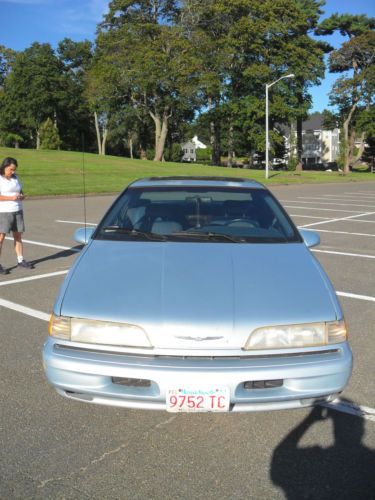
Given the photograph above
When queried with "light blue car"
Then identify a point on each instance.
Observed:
(194, 295)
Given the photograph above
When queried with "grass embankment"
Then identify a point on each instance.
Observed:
(51, 173)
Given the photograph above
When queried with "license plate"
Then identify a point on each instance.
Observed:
(198, 400)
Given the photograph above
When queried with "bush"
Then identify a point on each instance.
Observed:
(150, 153)
(174, 153)
(204, 154)
(49, 136)
(292, 163)
(8, 139)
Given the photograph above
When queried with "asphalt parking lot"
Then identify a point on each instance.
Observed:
(55, 448)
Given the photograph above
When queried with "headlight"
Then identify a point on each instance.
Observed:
(59, 327)
(291, 336)
(98, 332)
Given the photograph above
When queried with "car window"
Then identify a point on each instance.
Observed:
(196, 214)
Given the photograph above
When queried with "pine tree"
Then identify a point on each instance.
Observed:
(49, 136)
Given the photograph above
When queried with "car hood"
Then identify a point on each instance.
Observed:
(198, 295)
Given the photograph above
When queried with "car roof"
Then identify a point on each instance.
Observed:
(196, 181)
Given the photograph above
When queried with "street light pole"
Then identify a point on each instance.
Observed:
(269, 85)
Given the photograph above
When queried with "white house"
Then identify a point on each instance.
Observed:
(318, 145)
(198, 143)
(189, 149)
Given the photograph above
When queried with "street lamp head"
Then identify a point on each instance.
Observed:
(268, 86)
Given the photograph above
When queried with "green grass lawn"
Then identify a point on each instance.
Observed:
(61, 172)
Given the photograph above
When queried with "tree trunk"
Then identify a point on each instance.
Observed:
(230, 146)
(142, 153)
(98, 138)
(131, 147)
(299, 149)
(355, 157)
(215, 143)
(346, 139)
(299, 145)
(161, 131)
(37, 139)
(214, 134)
(104, 141)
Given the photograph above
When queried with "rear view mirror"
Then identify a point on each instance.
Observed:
(83, 234)
(311, 238)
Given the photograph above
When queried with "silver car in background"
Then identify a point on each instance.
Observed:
(197, 294)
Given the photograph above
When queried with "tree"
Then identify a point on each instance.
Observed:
(330, 120)
(101, 91)
(245, 45)
(206, 26)
(7, 137)
(75, 117)
(7, 57)
(31, 92)
(355, 61)
(49, 136)
(150, 58)
(305, 57)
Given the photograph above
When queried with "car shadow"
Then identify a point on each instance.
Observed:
(345, 470)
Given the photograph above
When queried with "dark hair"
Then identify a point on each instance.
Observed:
(6, 162)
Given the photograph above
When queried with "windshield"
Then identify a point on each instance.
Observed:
(227, 215)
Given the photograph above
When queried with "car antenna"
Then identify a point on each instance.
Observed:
(84, 182)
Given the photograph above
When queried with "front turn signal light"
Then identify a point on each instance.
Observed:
(59, 327)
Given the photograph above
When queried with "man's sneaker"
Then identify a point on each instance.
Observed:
(25, 264)
(2, 270)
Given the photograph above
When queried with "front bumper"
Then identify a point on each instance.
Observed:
(87, 375)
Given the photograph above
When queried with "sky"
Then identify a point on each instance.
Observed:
(50, 21)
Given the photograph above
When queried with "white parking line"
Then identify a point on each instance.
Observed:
(351, 408)
(339, 219)
(363, 256)
(359, 192)
(310, 216)
(326, 203)
(325, 209)
(32, 278)
(25, 310)
(76, 222)
(363, 220)
(49, 245)
(346, 197)
(339, 232)
(355, 296)
(327, 218)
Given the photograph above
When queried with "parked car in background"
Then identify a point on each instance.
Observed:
(197, 294)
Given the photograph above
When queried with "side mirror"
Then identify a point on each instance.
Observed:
(83, 234)
(311, 238)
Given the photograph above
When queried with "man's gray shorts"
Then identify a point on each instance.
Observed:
(12, 221)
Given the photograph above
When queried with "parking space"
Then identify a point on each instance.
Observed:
(54, 448)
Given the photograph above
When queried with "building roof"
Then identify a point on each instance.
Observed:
(315, 122)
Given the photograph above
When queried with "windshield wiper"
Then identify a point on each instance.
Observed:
(209, 235)
(134, 232)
